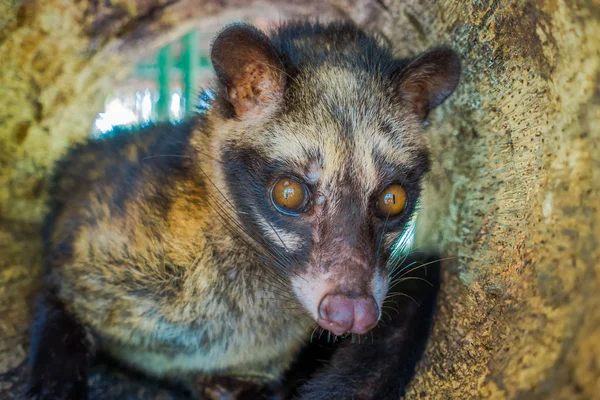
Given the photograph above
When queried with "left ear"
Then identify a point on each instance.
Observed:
(429, 79)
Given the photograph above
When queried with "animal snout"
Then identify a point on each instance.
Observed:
(343, 314)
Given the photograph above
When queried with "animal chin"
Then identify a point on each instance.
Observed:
(338, 308)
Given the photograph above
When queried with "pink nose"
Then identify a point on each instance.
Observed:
(340, 314)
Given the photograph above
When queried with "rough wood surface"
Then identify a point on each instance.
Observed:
(514, 196)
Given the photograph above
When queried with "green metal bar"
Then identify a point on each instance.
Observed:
(165, 63)
(150, 71)
(189, 65)
(205, 62)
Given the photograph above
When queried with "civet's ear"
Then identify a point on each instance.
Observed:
(249, 68)
(429, 79)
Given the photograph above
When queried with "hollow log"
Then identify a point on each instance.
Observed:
(513, 199)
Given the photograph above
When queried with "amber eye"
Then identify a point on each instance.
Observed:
(289, 195)
(392, 200)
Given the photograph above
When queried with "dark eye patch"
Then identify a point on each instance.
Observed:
(409, 176)
(249, 177)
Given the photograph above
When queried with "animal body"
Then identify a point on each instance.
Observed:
(207, 253)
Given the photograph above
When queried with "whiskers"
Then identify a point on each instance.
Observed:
(400, 271)
(317, 327)
(331, 338)
(272, 266)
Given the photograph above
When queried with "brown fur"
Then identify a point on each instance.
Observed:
(168, 253)
(137, 271)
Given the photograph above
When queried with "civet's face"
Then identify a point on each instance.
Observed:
(325, 165)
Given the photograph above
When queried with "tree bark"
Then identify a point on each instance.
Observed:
(513, 198)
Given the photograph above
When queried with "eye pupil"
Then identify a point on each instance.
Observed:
(288, 192)
(389, 198)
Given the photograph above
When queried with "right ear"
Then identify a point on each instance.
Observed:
(429, 79)
(249, 69)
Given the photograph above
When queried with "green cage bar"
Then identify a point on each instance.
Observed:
(165, 63)
(190, 55)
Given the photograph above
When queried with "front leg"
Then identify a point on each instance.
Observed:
(60, 352)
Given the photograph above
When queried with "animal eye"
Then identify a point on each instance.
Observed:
(289, 196)
(392, 200)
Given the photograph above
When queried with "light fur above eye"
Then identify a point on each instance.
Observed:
(391, 201)
(289, 196)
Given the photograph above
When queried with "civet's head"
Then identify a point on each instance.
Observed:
(320, 141)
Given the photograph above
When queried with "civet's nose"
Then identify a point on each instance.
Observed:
(341, 314)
